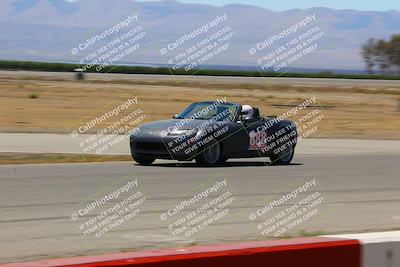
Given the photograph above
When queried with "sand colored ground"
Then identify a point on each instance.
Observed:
(30, 103)
(27, 158)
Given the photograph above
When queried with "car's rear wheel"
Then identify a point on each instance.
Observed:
(143, 160)
(284, 157)
(212, 155)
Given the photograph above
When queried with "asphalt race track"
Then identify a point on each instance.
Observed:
(360, 193)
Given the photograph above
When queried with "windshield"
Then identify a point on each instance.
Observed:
(210, 110)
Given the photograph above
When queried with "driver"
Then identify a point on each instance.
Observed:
(247, 112)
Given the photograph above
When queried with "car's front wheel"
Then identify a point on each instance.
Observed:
(142, 160)
(284, 157)
(212, 155)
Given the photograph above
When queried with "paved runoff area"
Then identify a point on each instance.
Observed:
(65, 143)
(59, 210)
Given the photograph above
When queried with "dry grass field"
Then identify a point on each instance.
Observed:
(28, 158)
(30, 103)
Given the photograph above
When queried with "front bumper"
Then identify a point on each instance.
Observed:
(160, 147)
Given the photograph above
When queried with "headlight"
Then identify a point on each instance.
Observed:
(135, 131)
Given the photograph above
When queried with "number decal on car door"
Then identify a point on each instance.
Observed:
(258, 140)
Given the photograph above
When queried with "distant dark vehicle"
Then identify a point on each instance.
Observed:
(213, 132)
(79, 74)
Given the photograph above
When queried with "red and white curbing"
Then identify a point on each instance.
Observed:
(355, 250)
(381, 249)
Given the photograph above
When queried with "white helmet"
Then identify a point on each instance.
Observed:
(247, 112)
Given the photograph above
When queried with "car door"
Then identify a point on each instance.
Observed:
(256, 137)
(247, 139)
(234, 142)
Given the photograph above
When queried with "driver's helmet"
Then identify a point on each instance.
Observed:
(247, 112)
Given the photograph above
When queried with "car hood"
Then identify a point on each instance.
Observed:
(168, 125)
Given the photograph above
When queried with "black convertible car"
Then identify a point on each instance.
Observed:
(212, 132)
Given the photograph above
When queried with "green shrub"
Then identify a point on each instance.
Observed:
(33, 96)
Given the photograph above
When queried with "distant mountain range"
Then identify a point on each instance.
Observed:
(49, 29)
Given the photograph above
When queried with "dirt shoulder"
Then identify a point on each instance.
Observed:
(30, 158)
(54, 104)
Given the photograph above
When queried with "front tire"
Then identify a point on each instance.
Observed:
(142, 160)
(284, 157)
(212, 155)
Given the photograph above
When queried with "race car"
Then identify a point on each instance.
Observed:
(211, 132)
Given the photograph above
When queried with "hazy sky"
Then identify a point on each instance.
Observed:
(381, 5)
